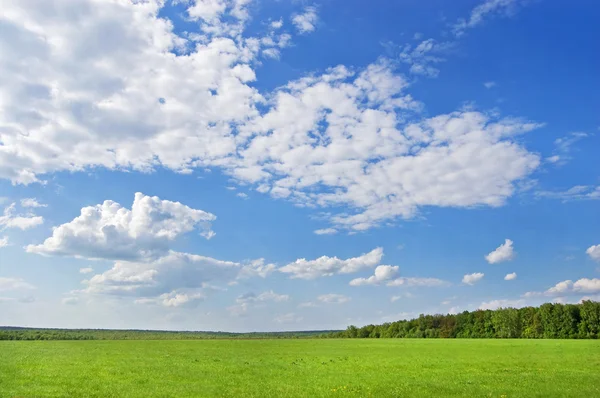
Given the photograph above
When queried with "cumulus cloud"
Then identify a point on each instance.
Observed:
(7, 284)
(471, 279)
(306, 21)
(4, 241)
(586, 285)
(31, 202)
(583, 285)
(594, 252)
(504, 252)
(560, 287)
(511, 276)
(145, 97)
(256, 268)
(417, 282)
(328, 266)
(110, 231)
(138, 239)
(10, 219)
(326, 231)
(495, 304)
(277, 24)
(164, 275)
(489, 84)
(382, 273)
(333, 298)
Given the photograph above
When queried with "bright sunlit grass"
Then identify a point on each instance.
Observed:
(301, 368)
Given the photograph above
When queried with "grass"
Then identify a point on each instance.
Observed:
(301, 368)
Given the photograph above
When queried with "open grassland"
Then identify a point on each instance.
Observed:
(301, 368)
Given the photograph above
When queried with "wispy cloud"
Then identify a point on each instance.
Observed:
(487, 9)
(578, 192)
(563, 147)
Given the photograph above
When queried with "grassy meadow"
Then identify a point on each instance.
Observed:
(301, 368)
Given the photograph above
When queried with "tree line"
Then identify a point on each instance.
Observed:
(549, 321)
(16, 333)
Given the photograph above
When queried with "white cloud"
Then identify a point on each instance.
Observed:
(146, 269)
(333, 298)
(393, 299)
(495, 304)
(568, 287)
(87, 270)
(578, 192)
(504, 252)
(7, 284)
(489, 84)
(249, 300)
(4, 241)
(594, 252)
(306, 22)
(417, 282)
(265, 296)
(31, 202)
(560, 287)
(170, 273)
(176, 298)
(423, 56)
(256, 268)
(308, 304)
(511, 276)
(143, 97)
(21, 221)
(277, 24)
(586, 285)
(110, 231)
(328, 266)
(326, 231)
(485, 10)
(563, 148)
(471, 279)
(242, 195)
(382, 273)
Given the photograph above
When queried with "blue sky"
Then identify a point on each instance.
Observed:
(250, 165)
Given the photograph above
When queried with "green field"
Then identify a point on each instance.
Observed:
(301, 368)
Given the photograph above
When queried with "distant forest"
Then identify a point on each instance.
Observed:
(549, 321)
(17, 333)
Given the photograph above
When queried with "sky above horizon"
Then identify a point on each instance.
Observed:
(263, 165)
